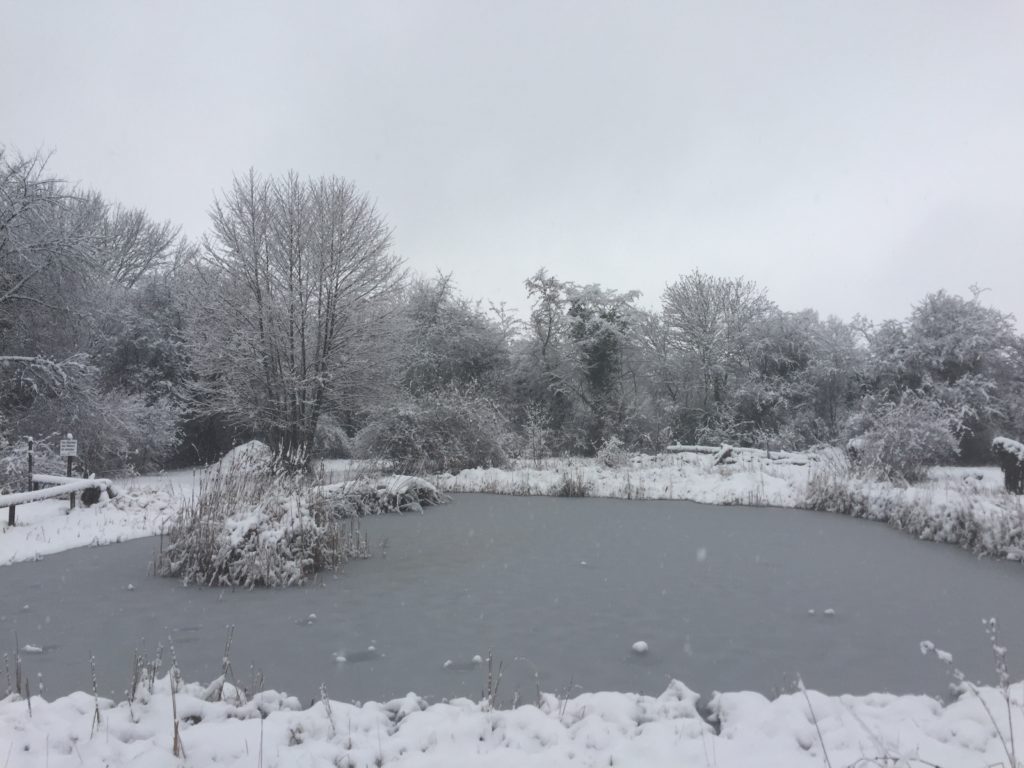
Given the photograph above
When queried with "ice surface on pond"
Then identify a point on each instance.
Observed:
(438, 597)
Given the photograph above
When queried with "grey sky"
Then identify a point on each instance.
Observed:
(849, 156)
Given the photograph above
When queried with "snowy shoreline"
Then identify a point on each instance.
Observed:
(966, 506)
(219, 724)
(956, 505)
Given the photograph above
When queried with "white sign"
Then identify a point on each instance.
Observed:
(68, 447)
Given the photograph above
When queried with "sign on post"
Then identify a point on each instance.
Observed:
(69, 448)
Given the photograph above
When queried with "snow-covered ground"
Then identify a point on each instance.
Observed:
(46, 527)
(218, 726)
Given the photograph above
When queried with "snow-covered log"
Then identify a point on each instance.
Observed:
(725, 452)
(1011, 459)
(678, 448)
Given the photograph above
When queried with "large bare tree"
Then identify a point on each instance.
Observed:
(297, 270)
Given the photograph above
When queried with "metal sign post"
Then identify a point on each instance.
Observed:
(69, 448)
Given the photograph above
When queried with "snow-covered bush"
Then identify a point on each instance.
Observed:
(331, 441)
(441, 432)
(251, 457)
(368, 496)
(903, 439)
(14, 463)
(256, 528)
(116, 431)
(1011, 459)
(612, 453)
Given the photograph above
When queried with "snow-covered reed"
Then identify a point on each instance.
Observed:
(256, 528)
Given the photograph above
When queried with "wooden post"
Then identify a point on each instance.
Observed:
(10, 515)
(31, 455)
(72, 493)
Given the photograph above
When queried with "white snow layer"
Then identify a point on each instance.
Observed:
(46, 527)
(218, 726)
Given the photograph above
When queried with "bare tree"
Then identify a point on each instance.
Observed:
(48, 239)
(45, 227)
(134, 245)
(710, 320)
(297, 270)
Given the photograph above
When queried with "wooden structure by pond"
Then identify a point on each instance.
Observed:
(1011, 459)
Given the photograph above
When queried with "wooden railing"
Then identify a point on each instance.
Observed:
(59, 486)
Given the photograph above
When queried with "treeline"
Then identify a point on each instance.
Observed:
(294, 321)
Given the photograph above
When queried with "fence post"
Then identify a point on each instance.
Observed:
(10, 516)
(31, 455)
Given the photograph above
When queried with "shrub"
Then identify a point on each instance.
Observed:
(905, 438)
(573, 484)
(366, 496)
(612, 453)
(331, 441)
(256, 528)
(443, 432)
(116, 431)
(14, 464)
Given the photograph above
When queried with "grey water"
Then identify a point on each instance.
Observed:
(557, 590)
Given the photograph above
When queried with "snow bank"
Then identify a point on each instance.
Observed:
(219, 725)
(46, 527)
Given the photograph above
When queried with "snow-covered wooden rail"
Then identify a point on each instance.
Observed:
(59, 486)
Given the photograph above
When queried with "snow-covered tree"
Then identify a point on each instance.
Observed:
(297, 269)
(712, 324)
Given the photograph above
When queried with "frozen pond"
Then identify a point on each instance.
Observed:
(559, 589)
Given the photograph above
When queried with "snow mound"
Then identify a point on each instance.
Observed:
(220, 724)
(253, 456)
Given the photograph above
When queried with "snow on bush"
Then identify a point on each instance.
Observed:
(444, 432)
(905, 438)
(612, 453)
(14, 464)
(1011, 460)
(1004, 445)
(256, 528)
(253, 456)
(377, 496)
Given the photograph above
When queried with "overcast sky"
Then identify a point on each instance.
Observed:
(850, 156)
